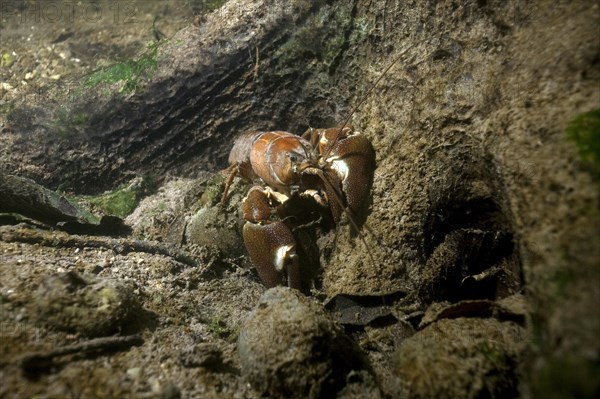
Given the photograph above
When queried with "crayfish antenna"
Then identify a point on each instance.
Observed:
(365, 96)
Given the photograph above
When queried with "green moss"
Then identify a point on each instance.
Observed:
(362, 29)
(323, 37)
(304, 44)
(130, 72)
(6, 60)
(120, 202)
(584, 131)
(561, 279)
(213, 191)
(68, 124)
(218, 327)
(155, 212)
(491, 352)
(568, 377)
(6, 108)
(87, 215)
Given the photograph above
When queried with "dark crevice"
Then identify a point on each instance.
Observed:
(469, 241)
(477, 214)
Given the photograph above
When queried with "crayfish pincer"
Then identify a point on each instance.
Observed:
(327, 169)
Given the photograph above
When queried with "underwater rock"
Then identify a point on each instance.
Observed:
(289, 347)
(26, 197)
(210, 226)
(461, 358)
(93, 308)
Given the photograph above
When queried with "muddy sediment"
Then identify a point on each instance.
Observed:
(475, 274)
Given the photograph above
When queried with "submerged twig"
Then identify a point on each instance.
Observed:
(36, 362)
(119, 245)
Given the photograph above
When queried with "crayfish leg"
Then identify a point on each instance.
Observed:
(231, 172)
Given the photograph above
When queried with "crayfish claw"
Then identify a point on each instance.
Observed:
(272, 249)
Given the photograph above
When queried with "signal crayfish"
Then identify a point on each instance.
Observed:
(330, 170)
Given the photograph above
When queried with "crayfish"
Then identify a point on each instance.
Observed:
(331, 168)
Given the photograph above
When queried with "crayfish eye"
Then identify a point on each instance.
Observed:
(293, 162)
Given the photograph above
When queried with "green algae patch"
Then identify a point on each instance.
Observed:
(584, 131)
(324, 37)
(568, 377)
(120, 202)
(129, 72)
